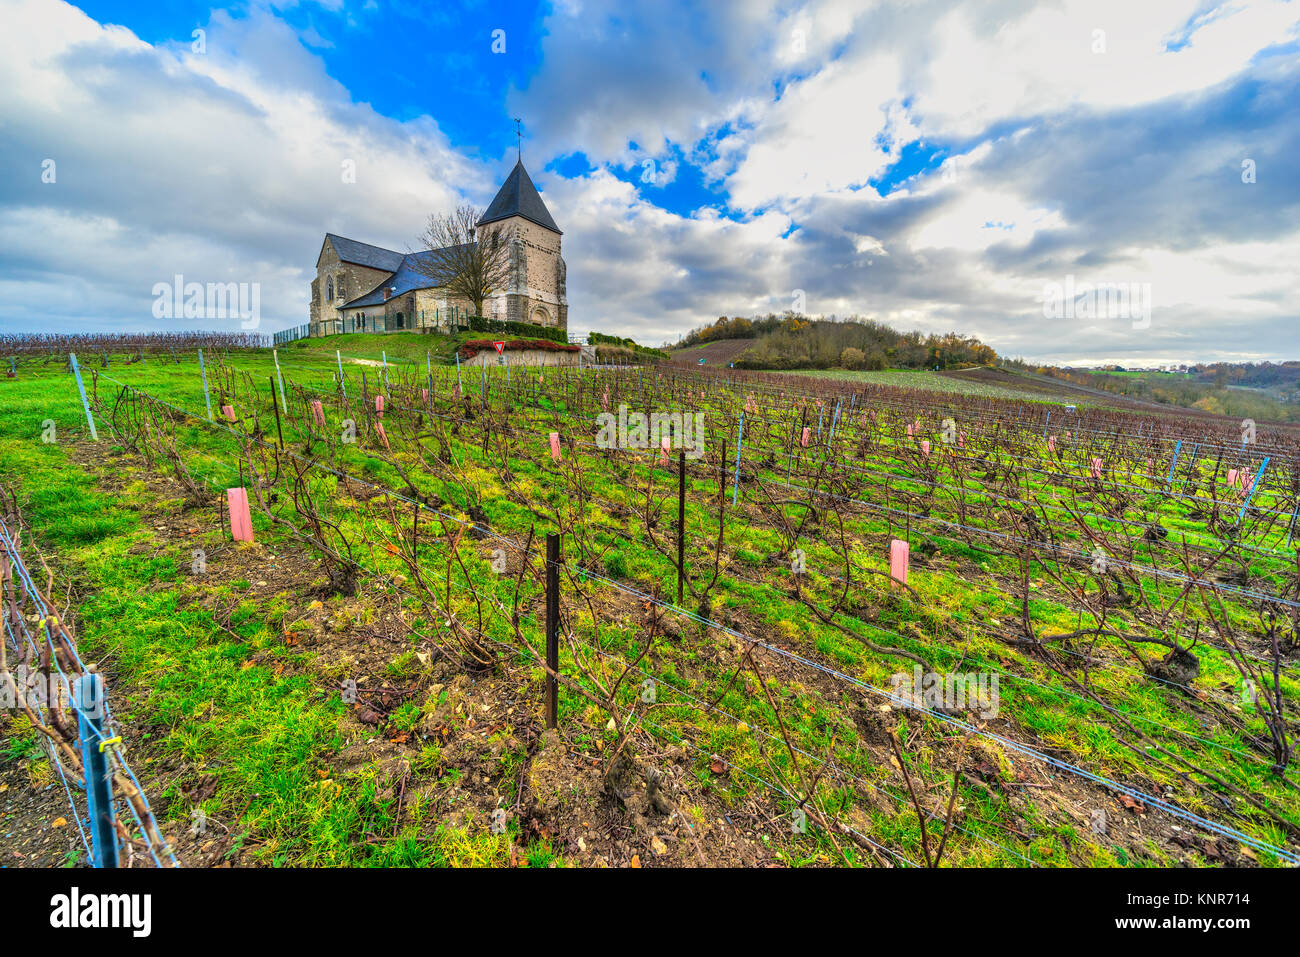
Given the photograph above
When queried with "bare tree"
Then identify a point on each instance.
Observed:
(456, 258)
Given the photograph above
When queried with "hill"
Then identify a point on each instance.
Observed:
(796, 342)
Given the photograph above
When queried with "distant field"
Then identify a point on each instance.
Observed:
(719, 353)
(927, 380)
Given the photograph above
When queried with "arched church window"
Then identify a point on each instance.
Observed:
(329, 289)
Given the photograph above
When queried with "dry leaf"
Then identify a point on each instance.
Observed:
(1132, 805)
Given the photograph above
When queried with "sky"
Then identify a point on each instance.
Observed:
(941, 166)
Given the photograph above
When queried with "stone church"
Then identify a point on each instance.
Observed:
(364, 288)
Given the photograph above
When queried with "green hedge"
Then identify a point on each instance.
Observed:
(482, 324)
(600, 339)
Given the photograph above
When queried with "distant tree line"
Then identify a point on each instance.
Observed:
(55, 343)
(791, 341)
(1261, 391)
(1251, 375)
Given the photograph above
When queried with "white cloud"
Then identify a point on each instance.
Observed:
(215, 166)
(226, 165)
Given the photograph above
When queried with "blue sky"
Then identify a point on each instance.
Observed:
(394, 56)
(934, 165)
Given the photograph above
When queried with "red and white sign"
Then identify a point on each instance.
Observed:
(500, 347)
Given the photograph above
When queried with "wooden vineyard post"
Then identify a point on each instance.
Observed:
(278, 431)
(740, 440)
(681, 522)
(552, 629)
(1291, 527)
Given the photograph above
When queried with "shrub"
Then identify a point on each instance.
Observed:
(852, 358)
(636, 350)
(481, 324)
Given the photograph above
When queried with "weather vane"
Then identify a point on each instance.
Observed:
(519, 139)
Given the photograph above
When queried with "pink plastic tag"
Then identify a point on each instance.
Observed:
(1232, 476)
(898, 560)
(241, 523)
(1096, 468)
(379, 406)
(804, 441)
(664, 446)
(1051, 443)
(318, 413)
(555, 446)
(424, 395)
(925, 446)
(229, 412)
(383, 436)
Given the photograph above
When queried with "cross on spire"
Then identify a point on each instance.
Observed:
(519, 140)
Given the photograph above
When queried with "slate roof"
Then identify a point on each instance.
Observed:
(405, 278)
(519, 197)
(364, 254)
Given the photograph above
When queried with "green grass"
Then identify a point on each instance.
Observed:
(187, 687)
(924, 379)
(271, 738)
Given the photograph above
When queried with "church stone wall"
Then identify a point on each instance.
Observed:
(354, 280)
(537, 285)
(523, 357)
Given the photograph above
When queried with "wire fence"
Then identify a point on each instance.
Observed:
(44, 680)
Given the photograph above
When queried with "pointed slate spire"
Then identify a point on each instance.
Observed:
(519, 197)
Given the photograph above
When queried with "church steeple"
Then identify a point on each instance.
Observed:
(519, 197)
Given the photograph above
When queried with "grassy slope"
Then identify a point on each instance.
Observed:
(268, 740)
(924, 379)
(279, 765)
